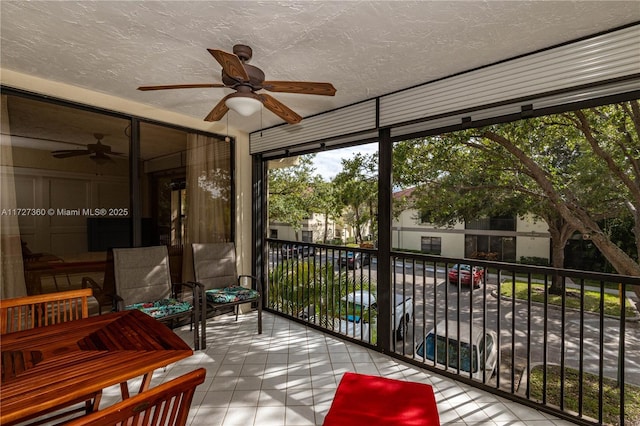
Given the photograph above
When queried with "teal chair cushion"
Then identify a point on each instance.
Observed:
(231, 294)
(161, 308)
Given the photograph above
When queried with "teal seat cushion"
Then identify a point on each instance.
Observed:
(161, 308)
(230, 294)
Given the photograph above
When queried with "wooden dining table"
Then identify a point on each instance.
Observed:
(49, 368)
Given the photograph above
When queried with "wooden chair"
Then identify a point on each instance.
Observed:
(23, 313)
(166, 404)
(143, 281)
(214, 265)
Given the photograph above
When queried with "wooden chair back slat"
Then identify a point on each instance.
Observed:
(166, 404)
(23, 313)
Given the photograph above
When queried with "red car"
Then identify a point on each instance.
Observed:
(465, 275)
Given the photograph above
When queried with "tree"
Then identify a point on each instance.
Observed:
(456, 178)
(290, 194)
(326, 203)
(573, 170)
(604, 177)
(357, 188)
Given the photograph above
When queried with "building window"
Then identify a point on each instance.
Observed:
(307, 236)
(431, 245)
(495, 223)
(490, 247)
(273, 233)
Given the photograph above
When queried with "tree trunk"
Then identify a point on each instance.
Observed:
(572, 214)
(358, 234)
(326, 228)
(636, 229)
(560, 232)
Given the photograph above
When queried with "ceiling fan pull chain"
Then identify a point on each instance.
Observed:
(227, 138)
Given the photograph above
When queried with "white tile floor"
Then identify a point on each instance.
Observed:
(288, 376)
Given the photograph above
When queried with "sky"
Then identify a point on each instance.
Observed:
(328, 163)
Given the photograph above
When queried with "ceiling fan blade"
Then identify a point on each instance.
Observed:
(280, 109)
(70, 153)
(180, 86)
(231, 64)
(304, 87)
(218, 111)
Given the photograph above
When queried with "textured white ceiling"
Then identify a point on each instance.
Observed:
(364, 48)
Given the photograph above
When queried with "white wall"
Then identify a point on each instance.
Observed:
(61, 233)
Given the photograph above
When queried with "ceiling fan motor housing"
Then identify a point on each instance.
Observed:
(243, 52)
(256, 78)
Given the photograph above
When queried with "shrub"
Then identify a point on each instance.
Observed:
(534, 260)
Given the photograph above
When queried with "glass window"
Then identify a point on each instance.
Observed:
(497, 223)
(163, 184)
(307, 236)
(65, 178)
(490, 247)
(431, 245)
(66, 181)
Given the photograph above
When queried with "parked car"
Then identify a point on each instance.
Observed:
(293, 250)
(353, 260)
(466, 272)
(357, 302)
(476, 357)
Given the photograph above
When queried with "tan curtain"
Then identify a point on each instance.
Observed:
(208, 195)
(11, 269)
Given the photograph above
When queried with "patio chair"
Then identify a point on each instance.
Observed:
(23, 313)
(214, 265)
(143, 281)
(104, 292)
(166, 404)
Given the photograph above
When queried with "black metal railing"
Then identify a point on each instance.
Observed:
(563, 341)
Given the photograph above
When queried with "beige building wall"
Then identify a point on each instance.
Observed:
(532, 236)
(314, 224)
(407, 233)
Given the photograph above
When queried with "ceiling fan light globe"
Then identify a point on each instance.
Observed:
(244, 105)
(100, 159)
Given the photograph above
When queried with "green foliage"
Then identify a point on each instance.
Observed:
(620, 231)
(533, 260)
(325, 201)
(612, 305)
(572, 170)
(590, 394)
(290, 195)
(356, 187)
(299, 285)
(344, 282)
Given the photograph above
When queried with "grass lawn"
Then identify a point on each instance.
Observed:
(572, 299)
(591, 386)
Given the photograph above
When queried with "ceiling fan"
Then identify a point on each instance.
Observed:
(247, 80)
(98, 152)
